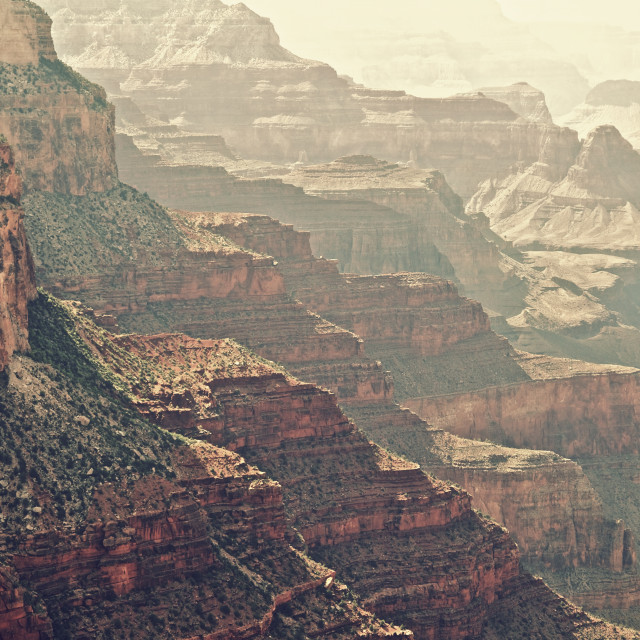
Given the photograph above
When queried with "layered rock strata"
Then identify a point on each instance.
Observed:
(341, 519)
(27, 34)
(421, 322)
(59, 124)
(579, 224)
(272, 105)
(142, 533)
(573, 412)
(363, 236)
(17, 281)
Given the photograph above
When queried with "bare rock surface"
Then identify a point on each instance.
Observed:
(613, 102)
(525, 100)
(17, 278)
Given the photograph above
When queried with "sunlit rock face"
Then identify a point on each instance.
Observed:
(59, 125)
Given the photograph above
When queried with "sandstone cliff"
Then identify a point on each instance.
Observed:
(27, 34)
(17, 281)
(59, 124)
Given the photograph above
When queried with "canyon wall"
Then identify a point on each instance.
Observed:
(583, 415)
(272, 105)
(59, 124)
(17, 281)
(27, 34)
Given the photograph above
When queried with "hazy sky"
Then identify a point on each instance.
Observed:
(286, 13)
(618, 12)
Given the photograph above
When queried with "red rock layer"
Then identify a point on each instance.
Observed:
(17, 280)
(586, 415)
(18, 621)
(342, 492)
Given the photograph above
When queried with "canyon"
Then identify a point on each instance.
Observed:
(166, 463)
(271, 105)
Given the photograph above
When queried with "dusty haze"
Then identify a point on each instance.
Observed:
(563, 47)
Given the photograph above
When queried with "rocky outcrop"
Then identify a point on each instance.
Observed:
(17, 618)
(59, 124)
(613, 102)
(17, 281)
(351, 501)
(394, 315)
(578, 221)
(357, 500)
(523, 99)
(26, 33)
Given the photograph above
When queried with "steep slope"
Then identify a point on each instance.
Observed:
(121, 530)
(351, 501)
(234, 291)
(17, 281)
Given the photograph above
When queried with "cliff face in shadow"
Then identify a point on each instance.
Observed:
(17, 280)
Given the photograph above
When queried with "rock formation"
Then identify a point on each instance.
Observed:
(590, 209)
(17, 281)
(615, 103)
(523, 99)
(131, 520)
(59, 124)
(423, 196)
(270, 104)
(26, 34)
